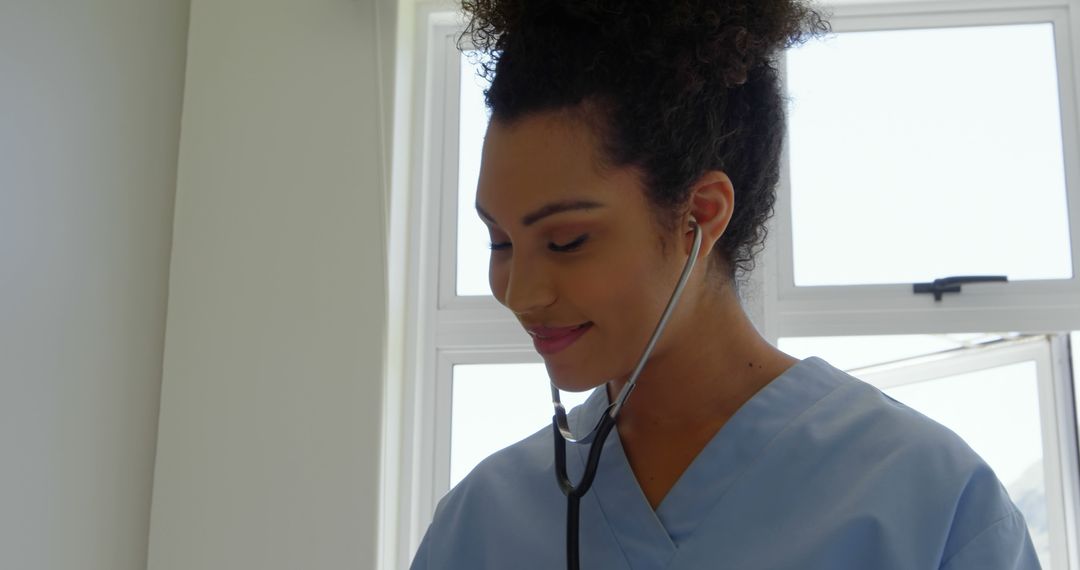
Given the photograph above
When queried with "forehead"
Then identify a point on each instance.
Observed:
(540, 158)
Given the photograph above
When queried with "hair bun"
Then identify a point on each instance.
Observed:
(695, 40)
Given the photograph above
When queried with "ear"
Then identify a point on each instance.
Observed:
(712, 201)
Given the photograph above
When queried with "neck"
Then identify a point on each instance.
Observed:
(702, 371)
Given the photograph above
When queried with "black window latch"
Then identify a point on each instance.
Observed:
(952, 284)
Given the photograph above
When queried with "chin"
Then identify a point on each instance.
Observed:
(576, 387)
(568, 381)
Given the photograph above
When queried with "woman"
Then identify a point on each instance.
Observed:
(616, 127)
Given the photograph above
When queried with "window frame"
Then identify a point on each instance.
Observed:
(468, 329)
(440, 329)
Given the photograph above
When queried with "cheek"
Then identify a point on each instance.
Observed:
(497, 280)
(618, 293)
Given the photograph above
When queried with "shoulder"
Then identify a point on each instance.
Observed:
(914, 467)
(493, 509)
(860, 415)
(1003, 544)
(503, 476)
(846, 436)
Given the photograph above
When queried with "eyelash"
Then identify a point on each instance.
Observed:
(572, 246)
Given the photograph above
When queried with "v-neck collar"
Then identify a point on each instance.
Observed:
(617, 495)
(650, 539)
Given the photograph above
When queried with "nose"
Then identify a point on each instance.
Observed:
(528, 286)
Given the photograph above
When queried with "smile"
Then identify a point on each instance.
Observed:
(548, 340)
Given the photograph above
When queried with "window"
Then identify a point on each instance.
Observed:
(472, 252)
(945, 139)
(468, 364)
(942, 167)
(953, 151)
(514, 397)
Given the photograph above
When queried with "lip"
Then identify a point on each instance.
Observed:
(549, 340)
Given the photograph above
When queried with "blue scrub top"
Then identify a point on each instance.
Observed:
(817, 471)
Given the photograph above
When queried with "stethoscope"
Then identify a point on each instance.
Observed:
(607, 421)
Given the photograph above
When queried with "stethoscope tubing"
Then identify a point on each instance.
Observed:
(575, 492)
(600, 433)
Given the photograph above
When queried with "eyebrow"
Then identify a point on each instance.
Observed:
(547, 210)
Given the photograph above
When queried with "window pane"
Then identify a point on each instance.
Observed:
(919, 154)
(996, 411)
(495, 405)
(472, 243)
(850, 352)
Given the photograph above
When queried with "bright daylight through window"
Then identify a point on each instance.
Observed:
(923, 148)
(472, 234)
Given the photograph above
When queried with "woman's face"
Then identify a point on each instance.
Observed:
(573, 247)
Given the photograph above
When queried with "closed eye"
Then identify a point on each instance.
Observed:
(570, 246)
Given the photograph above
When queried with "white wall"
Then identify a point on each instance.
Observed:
(270, 412)
(90, 98)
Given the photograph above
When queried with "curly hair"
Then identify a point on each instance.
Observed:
(674, 88)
